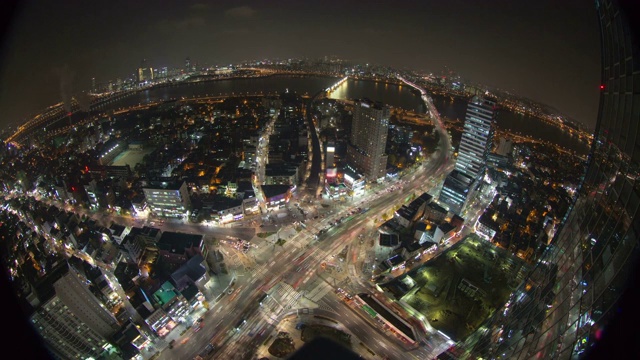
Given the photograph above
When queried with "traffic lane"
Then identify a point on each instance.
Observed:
(245, 233)
(197, 341)
(223, 318)
(370, 335)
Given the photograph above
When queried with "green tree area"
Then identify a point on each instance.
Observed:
(282, 346)
(310, 332)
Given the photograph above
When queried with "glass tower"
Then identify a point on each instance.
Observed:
(565, 305)
(477, 137)
(474, 148)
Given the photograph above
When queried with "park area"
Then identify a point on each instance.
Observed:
(461, 288)
(131, 157)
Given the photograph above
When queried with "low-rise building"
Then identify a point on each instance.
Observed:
(276, 195)
(224, 209)
(168, 198)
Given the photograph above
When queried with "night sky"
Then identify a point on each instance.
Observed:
(547, 50)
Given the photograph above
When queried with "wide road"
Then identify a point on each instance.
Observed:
(313, 181)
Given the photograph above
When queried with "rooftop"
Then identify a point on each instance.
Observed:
(274, 190)
(176, 242)
(165, 294)
(165, 185)
(388, 240)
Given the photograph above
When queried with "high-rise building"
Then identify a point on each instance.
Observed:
(369, 138)
(187, 65)
(577, 289)
(145, 72)
(170, 199)
(71, 320)
(475, 145)
(477, 137)
(455, 189)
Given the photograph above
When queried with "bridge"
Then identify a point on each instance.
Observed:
(335, 86)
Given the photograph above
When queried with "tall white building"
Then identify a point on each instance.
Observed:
(473, 151)
(369, 138)
(477, 137)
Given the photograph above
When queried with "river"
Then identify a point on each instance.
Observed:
(394, 95)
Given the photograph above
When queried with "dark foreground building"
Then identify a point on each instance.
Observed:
(580, 301)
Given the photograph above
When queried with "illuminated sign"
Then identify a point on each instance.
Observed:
(364, 105)
(332, 172)
(331, 149)
(348, 178)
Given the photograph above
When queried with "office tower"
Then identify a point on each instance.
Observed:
(145, 72)
(455, 190)
(477, 137)
(187, 65)
(573, 294)
(474, 148)
(69, 317)
(170, 199)
(369, 138)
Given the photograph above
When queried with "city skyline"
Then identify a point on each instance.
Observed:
(114, 41)
(272, 202)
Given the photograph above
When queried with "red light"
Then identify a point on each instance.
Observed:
(68, 114)
(601, 87)
(73, 188)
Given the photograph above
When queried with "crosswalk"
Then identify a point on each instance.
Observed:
(259, 272)
(319, 291)
(287, 294)
(326, 308)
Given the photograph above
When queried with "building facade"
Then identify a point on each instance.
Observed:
(477, 137)
(370, 127)
(572, 295)
(168, 199)
(70, 319)
(455, 190)
(66, 336)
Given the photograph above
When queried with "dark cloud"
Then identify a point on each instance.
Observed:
(199, 6)
(240, 12)
(545, 50)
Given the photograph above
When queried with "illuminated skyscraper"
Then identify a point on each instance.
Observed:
(477, 137)
(369, 138)
(574, 292)
(145, 72)
(474, 148)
